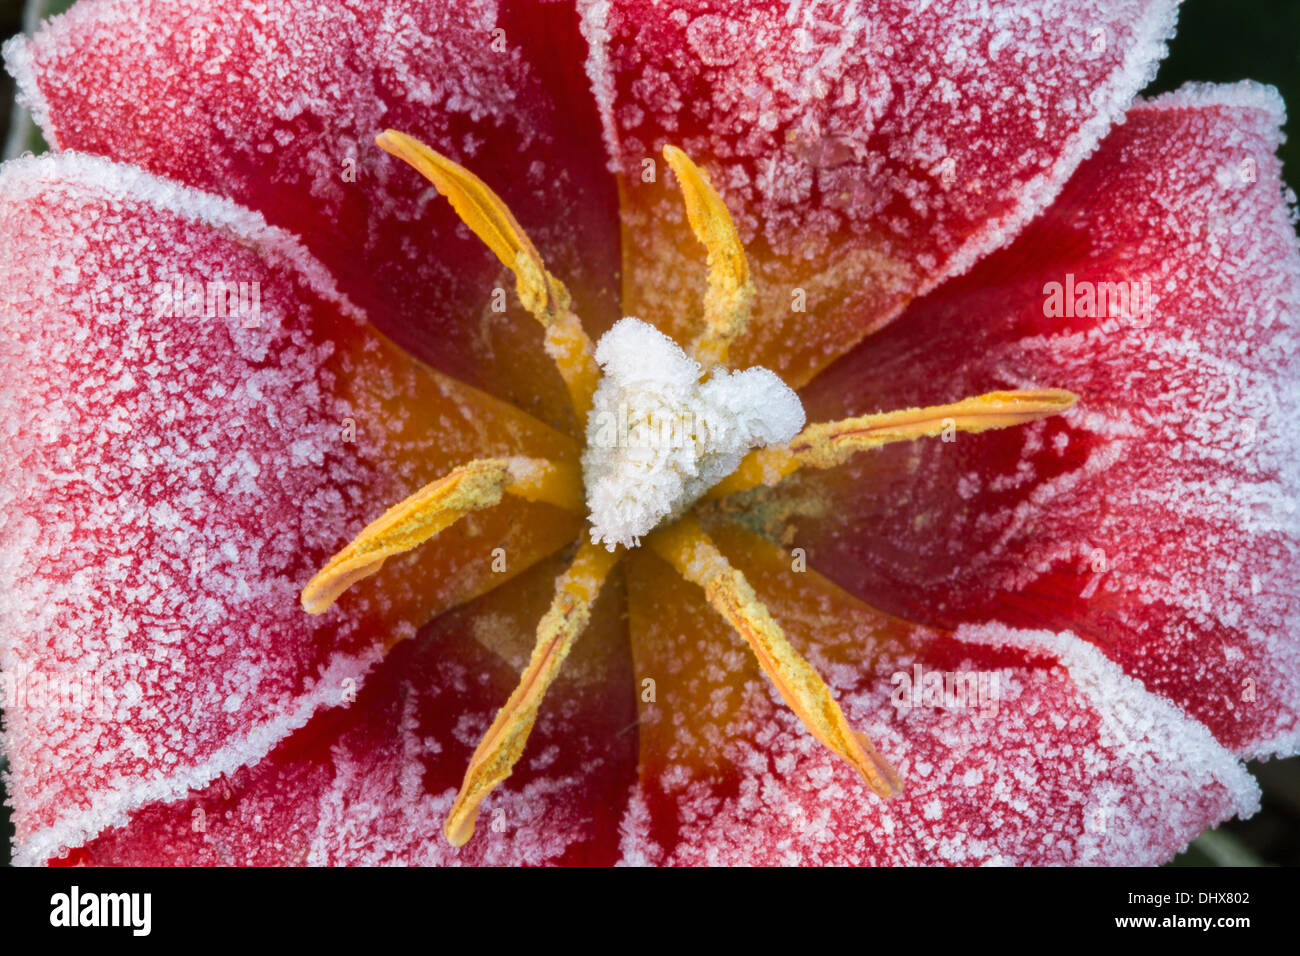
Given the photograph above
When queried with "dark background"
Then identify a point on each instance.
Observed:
(1217, 41)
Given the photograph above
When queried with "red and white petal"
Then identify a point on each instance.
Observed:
(175, 472)
(866, 150)
(277, 108)
(1156, 520)
(371, 783)
(1056, 757)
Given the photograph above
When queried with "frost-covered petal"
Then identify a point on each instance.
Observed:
(866, 150)
(371, 783)
(277, 105)
(173, 475)
(1056, 758)
(1158, 518)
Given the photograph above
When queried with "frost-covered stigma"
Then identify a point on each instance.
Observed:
(658, 437)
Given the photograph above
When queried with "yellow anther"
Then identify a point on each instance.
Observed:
(439, 504)
(576, 591)
(687, 548)
(730, 294)
(483, 211)
(540, 292)
(827, 444)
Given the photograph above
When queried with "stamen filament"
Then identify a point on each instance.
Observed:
(576, 591)
(556, 483)
(730, 295)
(687, 548)
(540, 292)
(827, 444)
(439, 504)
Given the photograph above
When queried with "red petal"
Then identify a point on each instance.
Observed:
(268, 106)
(372, 783)
(1158, 519)
(169, 484)
(1058, 759)
(865, 155)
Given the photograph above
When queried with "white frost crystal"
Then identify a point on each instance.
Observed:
(658, 438)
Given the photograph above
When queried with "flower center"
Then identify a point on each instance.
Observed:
(658, 437)
(663, 431)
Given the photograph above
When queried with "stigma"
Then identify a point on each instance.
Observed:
(660, 434)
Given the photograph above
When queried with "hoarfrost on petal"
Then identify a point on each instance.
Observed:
(1157, 519)
(176, 467)
(867, 151)
(1015, 747)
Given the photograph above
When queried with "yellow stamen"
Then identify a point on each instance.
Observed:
(731, 293)
(827, 444)
(541, 293)
(687, 548)
(575, 593)
(436, 506)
